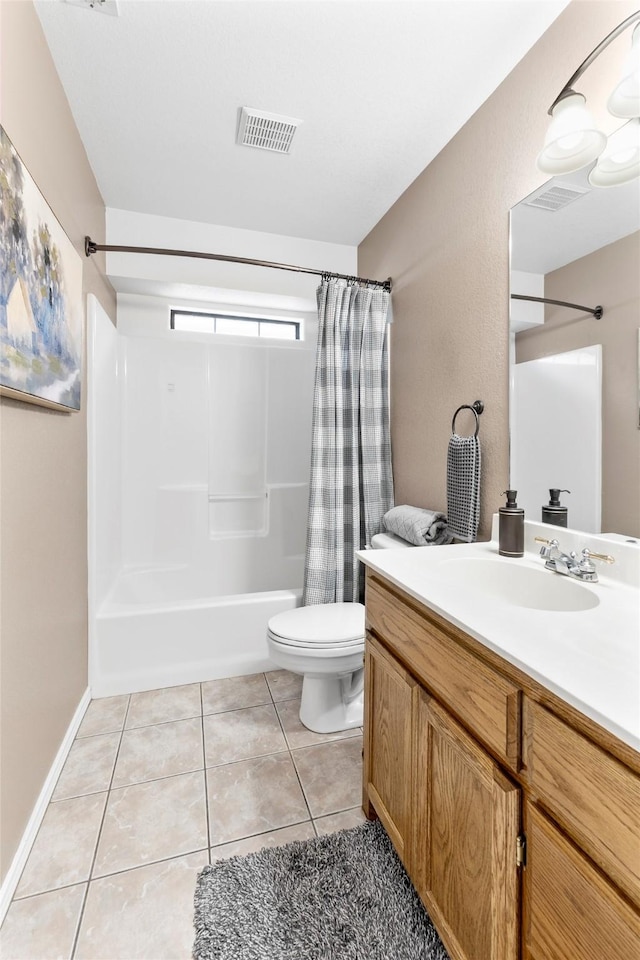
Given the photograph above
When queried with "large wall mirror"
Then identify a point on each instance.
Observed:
(574, 377)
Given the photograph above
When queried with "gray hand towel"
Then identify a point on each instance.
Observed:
(463, 487)
(417, 526)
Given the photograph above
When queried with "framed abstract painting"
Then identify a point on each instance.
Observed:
(41, 303)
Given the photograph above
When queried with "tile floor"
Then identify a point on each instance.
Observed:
(157, 785)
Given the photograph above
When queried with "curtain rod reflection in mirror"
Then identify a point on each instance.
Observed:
(598, 312)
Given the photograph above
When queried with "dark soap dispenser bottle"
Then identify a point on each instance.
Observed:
(554, 512)
(511, 527)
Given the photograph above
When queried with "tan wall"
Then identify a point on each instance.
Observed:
(43, 488)
(445, 243)
(610, 276)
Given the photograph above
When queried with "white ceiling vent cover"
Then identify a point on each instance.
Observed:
(266, 131)
(100, 6)
(556, 196)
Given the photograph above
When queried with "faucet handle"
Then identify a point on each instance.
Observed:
(604, 557)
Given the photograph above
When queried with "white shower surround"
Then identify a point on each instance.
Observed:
(184, 591)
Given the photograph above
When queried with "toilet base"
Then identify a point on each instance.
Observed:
(330, 704)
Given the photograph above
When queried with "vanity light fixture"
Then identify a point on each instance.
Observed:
(619, 162)
(625, 99)
(573, 140)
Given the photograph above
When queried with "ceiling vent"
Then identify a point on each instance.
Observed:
(100, 6)
(555, 197)
(266, 131)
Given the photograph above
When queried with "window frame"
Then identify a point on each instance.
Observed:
(215, 316)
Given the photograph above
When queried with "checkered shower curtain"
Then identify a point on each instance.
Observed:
(351, 485)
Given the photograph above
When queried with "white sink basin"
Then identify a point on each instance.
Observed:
(522, 586)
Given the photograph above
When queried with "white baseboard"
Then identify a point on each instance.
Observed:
(28, 837)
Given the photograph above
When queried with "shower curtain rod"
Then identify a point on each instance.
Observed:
(91, 247)
(598, 311)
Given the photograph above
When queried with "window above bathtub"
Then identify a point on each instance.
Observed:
(200, 321)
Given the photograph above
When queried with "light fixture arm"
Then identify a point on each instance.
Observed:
(567, 90)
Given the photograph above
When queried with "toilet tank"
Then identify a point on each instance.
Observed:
(387, 541)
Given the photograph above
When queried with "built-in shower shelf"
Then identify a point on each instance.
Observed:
(184, 487)
(238, 514)
(237, 496)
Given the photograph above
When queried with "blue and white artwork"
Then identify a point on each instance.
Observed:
(40, 294)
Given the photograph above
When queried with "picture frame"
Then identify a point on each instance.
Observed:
(41, 304)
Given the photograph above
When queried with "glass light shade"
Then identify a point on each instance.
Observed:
(572, 140)
(620, 160)
(625, 99)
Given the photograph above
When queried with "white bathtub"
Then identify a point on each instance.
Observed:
(163, 627)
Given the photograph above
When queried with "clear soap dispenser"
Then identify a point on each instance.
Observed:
(511, 527)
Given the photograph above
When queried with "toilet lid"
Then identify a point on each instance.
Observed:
(321, 623)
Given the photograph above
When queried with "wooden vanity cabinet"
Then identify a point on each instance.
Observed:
(571, 910)
(387, 777)
(466, 820)
(516, 817)
(583, 845)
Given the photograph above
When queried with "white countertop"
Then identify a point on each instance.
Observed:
(589, 658)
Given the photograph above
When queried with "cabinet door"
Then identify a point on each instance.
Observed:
(465, 832)
(571, 911)
(389, 692)
(593, 797)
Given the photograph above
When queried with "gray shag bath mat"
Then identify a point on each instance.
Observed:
(344, 896)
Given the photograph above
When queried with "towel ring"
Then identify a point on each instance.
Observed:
(476, 408)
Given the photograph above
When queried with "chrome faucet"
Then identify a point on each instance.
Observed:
(569, 564)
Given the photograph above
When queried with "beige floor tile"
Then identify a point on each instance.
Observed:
(42, 927)
(105, 715)
(339, 821)
(64, 847)
(234, 693)
(88, 767)
(242, 734)
(145, 913)
(152, 821)
(284, 685)
(331, 775)
(298, 735)
(161, 750)
(253, 796)
(160, 706)
(275, 838)
(140, 900)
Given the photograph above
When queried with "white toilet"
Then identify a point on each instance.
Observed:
(325, 643)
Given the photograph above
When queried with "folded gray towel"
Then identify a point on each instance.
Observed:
(418, 526)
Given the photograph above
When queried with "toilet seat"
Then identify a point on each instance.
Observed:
(320, 626)
(316, 646)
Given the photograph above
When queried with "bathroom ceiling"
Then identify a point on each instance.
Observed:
(380, 86)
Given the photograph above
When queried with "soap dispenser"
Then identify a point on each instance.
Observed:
(554, 512)
(511, 527)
